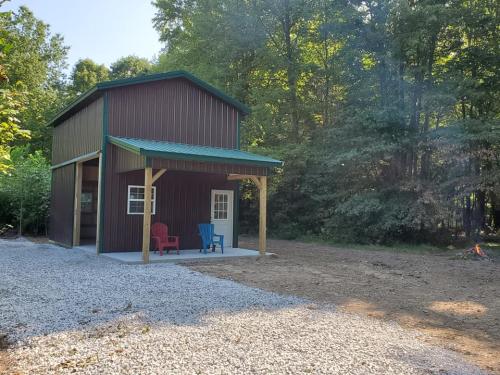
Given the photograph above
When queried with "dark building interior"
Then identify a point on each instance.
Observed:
(88, 220)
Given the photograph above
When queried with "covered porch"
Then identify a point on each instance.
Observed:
(135, 257)
(182, 186)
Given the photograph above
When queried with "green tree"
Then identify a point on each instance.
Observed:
(33, 60)
(11, 103)
(10, 129)
(129, 66)
(86, 73)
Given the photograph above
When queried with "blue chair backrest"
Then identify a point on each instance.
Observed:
(206, 231)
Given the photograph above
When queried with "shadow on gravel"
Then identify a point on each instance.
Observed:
(48, 289)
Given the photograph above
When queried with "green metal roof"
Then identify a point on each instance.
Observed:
(181, 151)
(95, 91)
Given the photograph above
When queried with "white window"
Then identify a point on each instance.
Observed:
(135, 201)
(220, 206)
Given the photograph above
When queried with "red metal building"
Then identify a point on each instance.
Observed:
(171, 132)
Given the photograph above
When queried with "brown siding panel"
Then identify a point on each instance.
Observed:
(79, 135)
(173, 110)
(124, 160)
(61, 212)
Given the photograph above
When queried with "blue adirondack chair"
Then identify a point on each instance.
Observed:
(206, 232)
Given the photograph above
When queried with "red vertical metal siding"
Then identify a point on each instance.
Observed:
(182, 202)
(183, 196)
(173, 110)
(62, 203)
(208, 167)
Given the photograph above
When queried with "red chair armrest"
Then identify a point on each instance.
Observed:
(174, 237)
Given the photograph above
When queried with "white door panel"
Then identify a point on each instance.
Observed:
(221, 214)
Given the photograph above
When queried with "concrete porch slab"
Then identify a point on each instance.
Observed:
(135, 257)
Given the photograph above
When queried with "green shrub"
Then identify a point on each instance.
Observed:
(25, 192)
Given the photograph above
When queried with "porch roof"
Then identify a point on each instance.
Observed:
(181, 151)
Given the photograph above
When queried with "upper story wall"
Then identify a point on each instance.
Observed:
(79, 135)
(173, 110)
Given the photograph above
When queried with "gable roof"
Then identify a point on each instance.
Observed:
(99, 88)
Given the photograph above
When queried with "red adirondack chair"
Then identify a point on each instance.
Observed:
(162, 240)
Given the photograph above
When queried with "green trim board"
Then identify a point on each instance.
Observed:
(74, 207)
(238, 131)
(78, 159)
(236, 214)
(102, 177)
(102, 86)
(181, 151)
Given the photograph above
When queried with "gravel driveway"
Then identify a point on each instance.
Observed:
(66, 311)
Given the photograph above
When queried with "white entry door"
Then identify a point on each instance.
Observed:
(222, 214)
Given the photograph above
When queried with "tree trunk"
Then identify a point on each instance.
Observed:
(21, 219)
(479, 217)
(426, 157)
(495, 211)
(291, 71)
(467, 216)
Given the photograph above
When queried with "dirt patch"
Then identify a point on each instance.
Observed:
(455, 302)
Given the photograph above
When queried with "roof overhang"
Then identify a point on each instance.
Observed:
(99, 88)
(181, 151)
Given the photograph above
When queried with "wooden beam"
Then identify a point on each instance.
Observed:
(78, 204)
(158, 175)
(262, 214)
(256, 181)
(233, 177)
(146, 224)
(99, 201)
(237, 177)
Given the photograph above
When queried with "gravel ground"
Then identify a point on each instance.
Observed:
(69, 312)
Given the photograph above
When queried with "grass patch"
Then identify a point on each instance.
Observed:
(492, 248)
(396, 248)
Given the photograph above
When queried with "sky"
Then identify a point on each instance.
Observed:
(103, 30)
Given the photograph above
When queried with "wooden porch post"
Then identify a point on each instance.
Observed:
(146, 225)
(261, 183)
(262, 214)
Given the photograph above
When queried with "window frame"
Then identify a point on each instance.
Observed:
(90, 209)
(221, 206)
(153, 200)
